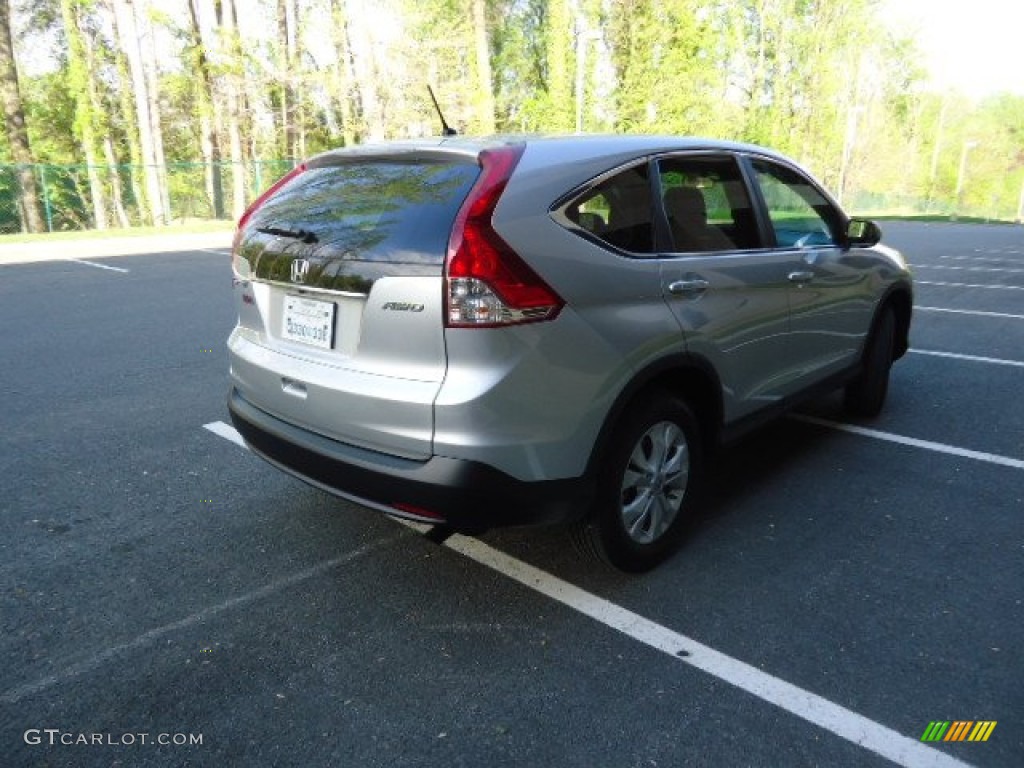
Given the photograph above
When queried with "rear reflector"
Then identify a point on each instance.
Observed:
(417, 512)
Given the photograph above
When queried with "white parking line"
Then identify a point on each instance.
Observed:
(968, 285)
(969, 358)
(808, 706)
(971, 285)
(97, 265)
(977, 313)
(1014, 270)
(226, 431)
(928, 445)
(994, 256)
(216, 251)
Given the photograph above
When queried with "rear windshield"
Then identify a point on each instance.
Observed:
(395, 212)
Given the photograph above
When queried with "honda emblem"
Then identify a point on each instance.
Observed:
(300, 268)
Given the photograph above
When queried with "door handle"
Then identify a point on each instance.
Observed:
(801, 277)
(693, 287)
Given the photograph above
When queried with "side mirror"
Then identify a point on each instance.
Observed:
(863, 233)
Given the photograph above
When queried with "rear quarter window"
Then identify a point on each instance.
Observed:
(617, 211)
(398, 212)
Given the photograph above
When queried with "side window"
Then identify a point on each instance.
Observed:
(706, 204)
(618, 211)
(799, 214)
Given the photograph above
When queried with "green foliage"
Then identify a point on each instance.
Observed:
(818, 79)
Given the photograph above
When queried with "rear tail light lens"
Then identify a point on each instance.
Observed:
(487, 283)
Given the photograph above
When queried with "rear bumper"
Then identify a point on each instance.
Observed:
(465, 495)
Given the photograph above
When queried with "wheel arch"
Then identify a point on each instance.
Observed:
(689, 377)
(900, 299)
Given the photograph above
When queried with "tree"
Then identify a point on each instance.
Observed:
(817, 79)
(81, 77)
(209, 141)
(233, 67)
(484, 85)
(17, 133)
(145, 101)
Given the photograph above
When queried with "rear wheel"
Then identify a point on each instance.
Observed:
(865, 395)
(648, 484)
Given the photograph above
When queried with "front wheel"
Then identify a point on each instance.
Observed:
(648, 485)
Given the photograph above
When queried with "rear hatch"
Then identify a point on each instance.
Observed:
(339, 275)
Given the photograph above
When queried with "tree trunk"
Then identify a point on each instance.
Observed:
(131, 123)
(124, 12)
(153, 96)
(343, 71)
(115, 183)
(205, 96)
(92, 141)
(17, 134)
(364, 67)
(229, 38)
(485, 85)
(557, 55)
(80, 80)
(286, 65)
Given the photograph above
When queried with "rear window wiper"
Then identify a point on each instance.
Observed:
(298, 234)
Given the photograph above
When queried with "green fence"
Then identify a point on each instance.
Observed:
(66, 196)
(67, 192)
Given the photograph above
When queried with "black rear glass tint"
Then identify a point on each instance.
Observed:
(396, 212)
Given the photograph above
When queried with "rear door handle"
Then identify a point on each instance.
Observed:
(692, 287)
(800, 277)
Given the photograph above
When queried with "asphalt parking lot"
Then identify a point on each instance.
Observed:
(169, 599)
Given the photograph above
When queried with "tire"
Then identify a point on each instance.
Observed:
(865, 395)
(649, 482)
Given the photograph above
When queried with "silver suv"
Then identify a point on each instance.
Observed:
(477, 333)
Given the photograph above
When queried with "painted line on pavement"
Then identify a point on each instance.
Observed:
(808, 706)
(1014, 270)
(839, 720)
(977, 313)
(970, 358)
(97, 265)
(971, 285)
(928, 445)
(227, 432)
(16, 694)
(992, 257)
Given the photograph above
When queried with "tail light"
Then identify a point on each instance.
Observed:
(487, 284)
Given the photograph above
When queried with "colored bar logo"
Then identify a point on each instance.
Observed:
(958, 730)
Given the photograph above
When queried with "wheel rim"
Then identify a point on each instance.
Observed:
(654, 483)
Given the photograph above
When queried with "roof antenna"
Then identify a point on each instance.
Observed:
(446, 130)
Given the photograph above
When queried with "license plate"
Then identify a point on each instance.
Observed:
(308, 321)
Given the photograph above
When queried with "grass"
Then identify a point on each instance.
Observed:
(191, 227)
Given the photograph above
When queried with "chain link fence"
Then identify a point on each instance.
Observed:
(82, 197)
